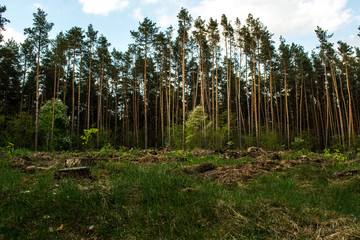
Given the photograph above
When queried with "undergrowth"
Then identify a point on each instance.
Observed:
(134, 201)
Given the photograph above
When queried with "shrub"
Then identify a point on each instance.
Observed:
(270, 140)
(61, 136)
(19, 130)
(304, 142)
(195, 128)
(88, 139)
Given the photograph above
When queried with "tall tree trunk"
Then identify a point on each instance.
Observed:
(73, 97)
(145, 101)
(287, 111)
(327, 107)
(99, 105)
(88, 100)
(350, 124)
(227, 90)
(183, 90)
(116, 108)
(78, 103)
(247, 96)
(271, 99)
(342, 132)
(169, 100)
(253, 95)
(212, 93)
(37, 98)
(217, 99)
(22, 88)
(53, 112)
(301, 101)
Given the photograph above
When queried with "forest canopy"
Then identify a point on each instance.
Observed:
(210, 83)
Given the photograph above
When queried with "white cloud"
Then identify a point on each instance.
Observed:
(150, 1)
(166, 14)
(286, 17)
(164, 19)
(37, 5)
(137, 14)
(353, 40)
(11, 33)
(103, 7)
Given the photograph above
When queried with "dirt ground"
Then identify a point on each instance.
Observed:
(264, 162)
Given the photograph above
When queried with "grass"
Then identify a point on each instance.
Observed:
(133, 201)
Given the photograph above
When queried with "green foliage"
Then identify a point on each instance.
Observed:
(176, 136)
(230, 144)
(248, 141)
(88, 137)
(19, 129)
(10, 149)
(335, 143)
(270, 140)
(107, 149)
(2, 118)
(61, 136)
(305, 141)
(195, 128)
(19, 152)
(177, 206)
(337, 157)
(327, 154)
(216, 139)
(122, 149)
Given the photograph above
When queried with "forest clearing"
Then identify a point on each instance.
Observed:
(148, 194)
(205, 130)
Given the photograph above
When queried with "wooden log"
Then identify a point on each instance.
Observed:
(76, 172)
(205, 167)
(347, 173)
(73, 162)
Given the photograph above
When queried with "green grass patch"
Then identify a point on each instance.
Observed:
(133, 201)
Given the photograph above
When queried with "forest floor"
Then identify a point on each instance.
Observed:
(202, 194)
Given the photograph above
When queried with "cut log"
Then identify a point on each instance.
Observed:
(73, 162)
(347, 173)
(76, 172)
(205, 167)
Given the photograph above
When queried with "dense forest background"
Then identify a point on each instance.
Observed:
(208, 84)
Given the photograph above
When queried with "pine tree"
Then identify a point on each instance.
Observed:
(90, 43)
(104, 57)
(74, 37)
(144, 39)
(28, 58)
(3, 21)
(345, 52)
(184, 26)
(38, 34)
(214, 39)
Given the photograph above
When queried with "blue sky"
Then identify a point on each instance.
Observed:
(294, 19)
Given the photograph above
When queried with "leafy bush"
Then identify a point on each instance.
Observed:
(61, 136)
(305, 142)
(337, 157)
(335, 143)
(216, 139)
(270, 140)
(195, 129)
(87, 138)
(19, 129)
(248, 141)
(176, 136)
(107, 149)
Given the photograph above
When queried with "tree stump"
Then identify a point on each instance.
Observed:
(76, 172)
(205, 167)
(347, 173)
